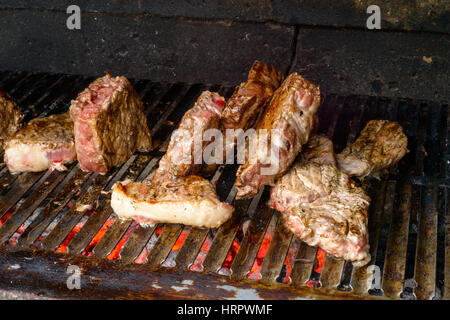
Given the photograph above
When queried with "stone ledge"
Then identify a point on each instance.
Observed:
(376, 63)
(154, 48)
(429, 15)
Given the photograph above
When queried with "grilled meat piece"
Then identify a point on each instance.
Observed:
(323, 207)
(189, 200)
(380, 145)
(42, 144)
(179, 160)
(109, 124)
(10, 118)
(291, 114)
(249, 97)
(319, 149)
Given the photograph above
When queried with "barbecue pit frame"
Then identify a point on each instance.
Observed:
(409, 221)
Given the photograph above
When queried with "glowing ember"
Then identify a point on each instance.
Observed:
(149, 246)
(320, 258)
(5, 217)
(180, 241)
(13, 240)
(288, 262)
(116, 252)
(143, 256)
(198, 263)
(313, 284)
(170, 260)
(63, 247)
(98, 236)
(255, 272)
(231, 254)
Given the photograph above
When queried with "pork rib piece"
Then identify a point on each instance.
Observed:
(291, 114)
(109, 124)
(189, 200)
(10, 118)
(323, 207)
(249, 97)
(179, 160)
(44, 143)
(381, 144)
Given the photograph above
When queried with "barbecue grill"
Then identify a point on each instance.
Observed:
(52, 220)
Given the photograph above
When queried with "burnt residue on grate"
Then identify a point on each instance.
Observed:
(66, 218)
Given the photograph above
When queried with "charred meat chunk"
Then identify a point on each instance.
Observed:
(109, 124)
(179, 160)
(10, 118)
(323, 207)
(190, 200)
(250, 97)
(287, 123)
(44, 143)
(381, 144)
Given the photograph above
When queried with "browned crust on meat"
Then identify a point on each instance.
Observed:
(10, 118)
(180, 189)
(292, 112)
(178, 161)
(53, 131)
(249, 97)
(323, 207)
(118, 129)
(381, 144)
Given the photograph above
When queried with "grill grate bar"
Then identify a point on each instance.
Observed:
(11, 81)
(136, 243)
(70, 219)
(248, 250)
(397, 242)
(225, 236)
(331, 266)
(164, 244)
(71, 188)
(111, 238)
(20, 83)
(31, 203)
(447, 249)
(190, 248)
(425, 267)
(23, 184)
(303, 264)
(104, 211)
(278, 249)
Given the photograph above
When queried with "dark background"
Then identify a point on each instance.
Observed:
(217, 41)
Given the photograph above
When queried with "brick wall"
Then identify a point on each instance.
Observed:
(216, 42)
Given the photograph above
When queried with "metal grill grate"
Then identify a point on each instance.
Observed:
(69, 212)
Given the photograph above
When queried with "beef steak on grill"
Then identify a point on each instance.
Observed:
(249, 97)
(179, 160)
(189, 200)
(322, 206)
(381, 144)
(109, 124)
(10, 118)
(291, 112)
(41, 144)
